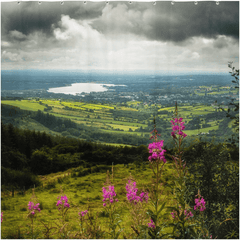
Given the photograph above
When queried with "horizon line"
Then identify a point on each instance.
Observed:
(136, 71)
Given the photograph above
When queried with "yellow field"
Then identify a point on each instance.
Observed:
(100, 116)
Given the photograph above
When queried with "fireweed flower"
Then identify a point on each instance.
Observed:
(174, 214)
(30, 205)
(1, 216)
(32, 208)
(187, 213)
(200, 204)
(109, 195)
(132, 193)
(62, 203)
(156, 151)
(155, 134)
(83, 213)
(177, 128)
(151, 224)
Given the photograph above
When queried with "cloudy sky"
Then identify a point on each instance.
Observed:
(120, 36)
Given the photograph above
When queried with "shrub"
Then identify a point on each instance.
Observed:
(23, 209)
(50, 185)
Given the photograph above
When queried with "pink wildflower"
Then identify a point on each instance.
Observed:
(63, 202)
(178, 127)
(188, 214)
(157, 152)
(1, 216)
(144, 196)
(32, 208)
(108, 195)
(30, 205)
(132, 193)
(83, 213)
(173, 214)
(36, 207)
(151, 224)
(200, 204)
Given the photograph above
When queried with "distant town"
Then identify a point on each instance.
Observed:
(184, 95)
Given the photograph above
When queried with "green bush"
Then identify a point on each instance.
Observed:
(50, 185)
(17, 178)
(215, 173)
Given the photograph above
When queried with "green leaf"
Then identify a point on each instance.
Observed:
(117, 235)
(143, 227)
(162, 207)
(150, 232)
(158, 229)
(150, 212)
(173, 208)
(193, 232)
(166, 234)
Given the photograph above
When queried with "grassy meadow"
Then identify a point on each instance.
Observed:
(83, 186)
(83, 193)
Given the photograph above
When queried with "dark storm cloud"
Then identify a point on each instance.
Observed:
(221, 43)
(161, 22)
(175, 23)
(30, 16)
(205, 20)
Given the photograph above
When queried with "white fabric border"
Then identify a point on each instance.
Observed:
(199, 1)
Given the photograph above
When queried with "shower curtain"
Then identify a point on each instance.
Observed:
(135, 95)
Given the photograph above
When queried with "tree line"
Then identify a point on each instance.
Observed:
(26, 154)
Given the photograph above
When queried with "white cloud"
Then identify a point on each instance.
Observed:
(61, 35)
(120, 17)
(8, 56)
(195, 55)
(17, 35)
(74, 29)
(5, 44)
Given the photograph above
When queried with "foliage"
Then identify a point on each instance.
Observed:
(191, 192)
(215, 171)
(26, 154)
(114, 123)
(233, 106)
(235, 73)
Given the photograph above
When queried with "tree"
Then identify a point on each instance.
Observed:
(235, 74)
(233, 107)
(40, 162)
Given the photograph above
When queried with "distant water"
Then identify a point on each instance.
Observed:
(51, 80)
(77, 88)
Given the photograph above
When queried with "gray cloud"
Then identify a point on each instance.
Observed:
(119, 35)
(171, 23)
(18, 36)
(162, 21)
(29, 16)
(221, 42)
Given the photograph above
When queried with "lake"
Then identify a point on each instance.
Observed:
(77, 88)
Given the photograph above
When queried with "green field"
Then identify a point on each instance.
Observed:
(30, 105)
(114, 118)
(83, 193)
(214, 91)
